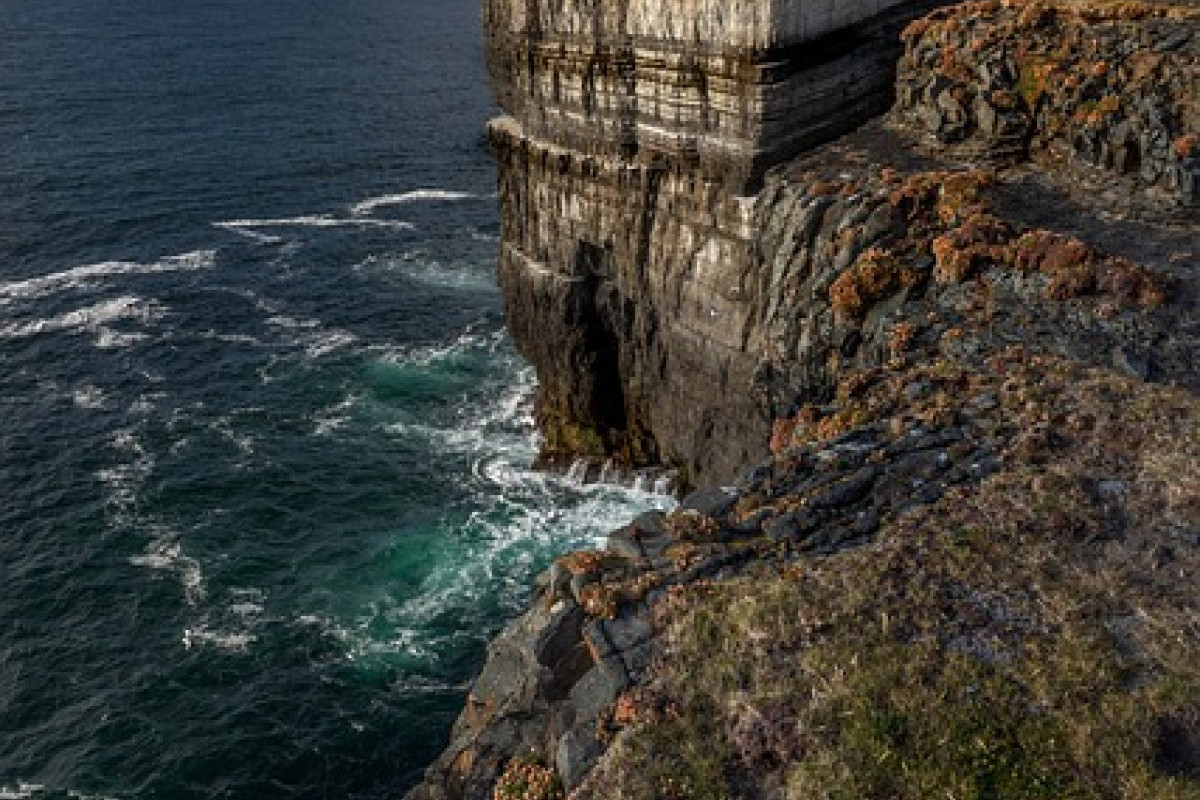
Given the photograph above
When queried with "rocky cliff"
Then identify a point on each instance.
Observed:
(648, 269)
(951, 353)
(637, 135)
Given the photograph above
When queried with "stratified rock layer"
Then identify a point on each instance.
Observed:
(629, 258)
(726, 88)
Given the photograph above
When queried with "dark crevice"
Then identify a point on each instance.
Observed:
(599, 322)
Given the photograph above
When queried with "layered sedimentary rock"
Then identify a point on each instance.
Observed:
(672, 291)
(728, 88)
(637, 134)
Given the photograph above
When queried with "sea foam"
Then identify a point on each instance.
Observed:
(87, 275)
(89, 318)
(248, 227)
(371, 204)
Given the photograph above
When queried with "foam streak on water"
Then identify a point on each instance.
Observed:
(370, 205)
(90, 274)
(312, 221)
(88, 318)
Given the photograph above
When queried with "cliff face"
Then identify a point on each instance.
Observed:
(966, 332)
(636, 137)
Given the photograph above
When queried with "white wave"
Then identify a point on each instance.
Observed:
(418, 267)
(577, 474)
(78, 277)
(108, 339)
(264, 304)
(327, 342)
(508, 540)
(20, 791)
(249, 233)
(230, 338)
(291, 323)
(489, 238)
(371, 204)
(164, 553)
(142, 406)
(333, 417)
(88, 397)
(90, 318)
(250, 610)
(126, 439)
(78, 795)
(248, 227)
(246, 609)
(123, 482)
(234, 642)
(223, 425)
(309, 335)
(429, 355)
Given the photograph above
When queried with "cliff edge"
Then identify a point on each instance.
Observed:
(942, 363)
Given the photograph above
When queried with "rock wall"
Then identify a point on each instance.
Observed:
(636, 139)
(728, 88)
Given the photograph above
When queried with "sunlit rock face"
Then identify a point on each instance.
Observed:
(727, 87)
(636, 138)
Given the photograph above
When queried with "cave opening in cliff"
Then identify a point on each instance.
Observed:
(600, 318)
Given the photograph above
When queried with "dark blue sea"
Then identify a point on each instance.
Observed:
(264, 443)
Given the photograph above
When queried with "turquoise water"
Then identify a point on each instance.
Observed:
(264, 442)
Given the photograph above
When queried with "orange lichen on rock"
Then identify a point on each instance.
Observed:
(900, 337)
(599, 600)
(875, 274)
(781, 433)
(1075, 269)
(525, 779)
(1065, 261)
(1129, 283)
(583, 562)
(688, 525)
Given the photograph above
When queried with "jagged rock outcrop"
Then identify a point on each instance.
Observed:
(919, 292)
(1105, 89)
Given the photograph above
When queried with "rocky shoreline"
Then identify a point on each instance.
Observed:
(957, 348)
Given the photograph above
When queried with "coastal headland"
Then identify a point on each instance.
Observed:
(905, 294)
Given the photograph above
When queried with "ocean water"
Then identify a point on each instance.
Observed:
(264, 443)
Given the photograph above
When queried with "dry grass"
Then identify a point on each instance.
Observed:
(1036, 637)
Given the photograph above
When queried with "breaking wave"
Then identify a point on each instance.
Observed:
(371, 204)
(90, 274)
(89, 318)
